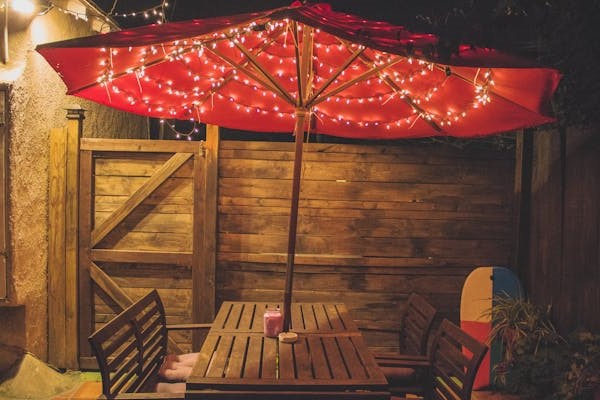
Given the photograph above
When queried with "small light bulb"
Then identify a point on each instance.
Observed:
(23, 6)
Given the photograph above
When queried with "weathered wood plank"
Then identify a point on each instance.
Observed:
(123, 239)
(366, 246)
(421, 265)
(146, 257)
(139, 167)
(400, 192)
(120, 185)
(108, 204)
(394, 152)
(321, 265)
(74, 131)
(364, 227)
(546, 218)
(86, 325)
(372, 171)
(357, 281)
(56, 248)
(204, 232)
(133, 145)
(144, 221)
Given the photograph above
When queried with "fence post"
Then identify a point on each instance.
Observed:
(205, 233)
(73, 280)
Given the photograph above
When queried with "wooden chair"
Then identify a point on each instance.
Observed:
(450, 370)
(416, 323)
(131, 348)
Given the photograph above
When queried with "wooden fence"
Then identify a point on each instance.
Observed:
(375, 223)
(207, 222)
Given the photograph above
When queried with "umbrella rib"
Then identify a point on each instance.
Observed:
(298, 65)
(406, 98)
(286, 96)
(152, 63)
(336, 74)
(351, 82)
(304, 64)
(260, 69)
(397, 90)
(229, 77)
(410, 102)
(490, 91)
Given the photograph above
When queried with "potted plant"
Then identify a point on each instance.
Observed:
(532, 348)
(538, 363)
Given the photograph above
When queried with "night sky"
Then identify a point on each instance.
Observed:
(391, 10)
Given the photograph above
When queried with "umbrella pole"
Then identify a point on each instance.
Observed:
(293, 223)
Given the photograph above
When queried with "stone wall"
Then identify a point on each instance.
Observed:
(37, 103)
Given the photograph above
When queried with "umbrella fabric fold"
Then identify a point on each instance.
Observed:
(306, 67)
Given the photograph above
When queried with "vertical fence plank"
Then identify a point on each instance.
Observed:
(545, 257)
(86, 309)
(74, 129)
(522, 202)
(205, 233)
(56, 248)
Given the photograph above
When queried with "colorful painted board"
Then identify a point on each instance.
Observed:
(481, 285)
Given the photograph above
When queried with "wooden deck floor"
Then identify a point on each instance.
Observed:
(91, 391)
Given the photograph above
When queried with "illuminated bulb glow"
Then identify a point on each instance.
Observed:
(23, 6)
(191, 54)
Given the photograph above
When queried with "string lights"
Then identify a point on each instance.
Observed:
(188, 134)
(156, 13)
(246, 69)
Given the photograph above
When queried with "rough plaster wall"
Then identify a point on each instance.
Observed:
(38, 103)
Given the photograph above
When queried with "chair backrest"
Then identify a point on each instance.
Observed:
(455, 357)
(417, 321)
(131, 347)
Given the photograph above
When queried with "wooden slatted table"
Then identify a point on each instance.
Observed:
(329, 361)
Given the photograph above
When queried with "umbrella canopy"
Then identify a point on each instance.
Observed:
(306, 68)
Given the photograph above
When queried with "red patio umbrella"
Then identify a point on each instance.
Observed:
(306, 68)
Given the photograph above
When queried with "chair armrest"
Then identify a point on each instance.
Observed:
(403, 361)
(181, 327)
(396, 356)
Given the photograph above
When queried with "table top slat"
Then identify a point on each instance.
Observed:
(221, 317)
(297, 320)
(269, 359)
(322, 318)
(333, 314)
(368, 361)
(233, 320)
(253, 357)
(317, 357)
(310, 320)
(201, 365)
(334, 359)
(257, 319)
(248, 317)
(346, 319)
(238, 355)
(287, 369)
(216, 368)
(352, 361)
(304, 369)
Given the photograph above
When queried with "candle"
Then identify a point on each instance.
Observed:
(273, 322)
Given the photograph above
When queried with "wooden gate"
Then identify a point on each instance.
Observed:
(141, 226)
